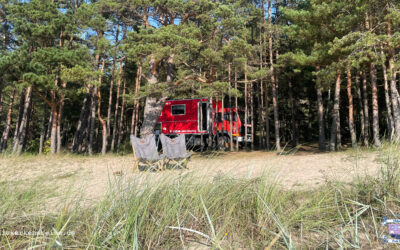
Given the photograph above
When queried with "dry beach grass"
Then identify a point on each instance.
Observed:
(92, 176)
(298, 199)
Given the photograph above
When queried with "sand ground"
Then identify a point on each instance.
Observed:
(89, 178)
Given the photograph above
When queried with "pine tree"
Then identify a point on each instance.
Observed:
(51, 56)
(119, 59)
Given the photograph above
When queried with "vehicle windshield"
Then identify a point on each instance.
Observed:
(226, 117)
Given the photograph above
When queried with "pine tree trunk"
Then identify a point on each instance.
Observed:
(351, 116)
(375, 108)
(273, 85)
(120, 127)
(152, 110)
(82, 124)
(20, 140)
(4, 48)
(252, 115)
(110, 95)
(394, 96)
(97, 138)
(246, 109)
(277, 95)
(59, 117)
(321, 124)
(230, 111)
(153, 107)
(328, 110)
(236, 107)
(267, 130)
(59, 135)
(7, 126)
(48, 130)
(25, 122)
(366, 109)
(84, 146)
(222, 122)
(170, 69)
(335, 112)
(30, 124)
(115, 128)
(102, 122)
(55, 118)
(276, 115)
(389, 116)
(261, 116)
(360, 107)
(261, 92)
(310, 119)
(20, 113)
(266, 108)
(339, 130)
(135, 115)
(92, 119)
(294, 137)
(137, 106)
(43, 130)
(53, 132)
(133, 119)
(53, 127)
(1, 100)
(135, 103)
(374, 90)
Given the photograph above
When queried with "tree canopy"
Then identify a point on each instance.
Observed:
(81, 75)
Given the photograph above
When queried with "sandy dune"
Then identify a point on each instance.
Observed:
(90, 177)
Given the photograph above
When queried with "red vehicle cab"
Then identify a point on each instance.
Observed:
(197, 117)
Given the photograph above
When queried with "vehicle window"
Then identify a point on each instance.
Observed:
(219, 117)
(234, 116)
(178, 109)
(226, 117)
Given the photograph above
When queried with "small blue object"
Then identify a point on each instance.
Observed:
(394, 231)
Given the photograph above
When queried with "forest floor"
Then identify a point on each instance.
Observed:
(67, 178)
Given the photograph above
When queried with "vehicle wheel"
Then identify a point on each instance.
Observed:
(222, 142)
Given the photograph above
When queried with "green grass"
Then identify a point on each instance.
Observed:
(225, 214)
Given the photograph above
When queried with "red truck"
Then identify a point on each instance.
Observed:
(200, 118)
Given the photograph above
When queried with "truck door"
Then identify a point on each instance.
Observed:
(204, 115)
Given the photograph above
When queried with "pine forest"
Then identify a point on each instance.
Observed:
(80, 76)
